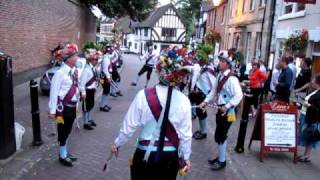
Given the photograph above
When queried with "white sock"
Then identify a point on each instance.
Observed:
(222, 151)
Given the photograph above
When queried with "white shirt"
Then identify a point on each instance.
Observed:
(139, 114)
(106, 61)
(274, 79)
(204, 81)
(60, 85)
(293, 68)
(263, 68)
(86, 76)
(153, 60)
(114, 56)
(232, 86)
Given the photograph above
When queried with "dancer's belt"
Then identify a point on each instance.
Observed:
(144, 145)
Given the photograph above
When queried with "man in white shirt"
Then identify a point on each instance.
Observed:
(64, 96)
(293, 68)
(166, 130)
(150, 60)
(226, 94)
(115, 75)
(201, 83)
(105, 79)
(88, 85)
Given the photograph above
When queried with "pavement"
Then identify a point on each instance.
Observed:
(93, 147)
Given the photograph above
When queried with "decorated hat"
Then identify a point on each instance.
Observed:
(170, 72)
(67, 51)
(92, 54)
(225, 55)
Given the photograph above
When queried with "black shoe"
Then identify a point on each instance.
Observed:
(119, 93)
(66, 161)
(109, 107)
(212, 161)
(104, 109)
(133, 84)
(113, 95)
(218, 166)
(239, 150)
(71, 157)
(200, 136)
(92, 123)
(197, 133)
(87, 127)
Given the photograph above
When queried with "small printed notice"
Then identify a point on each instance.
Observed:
(279, 130)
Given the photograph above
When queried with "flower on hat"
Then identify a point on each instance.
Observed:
(66, 52)
(170, 72)
(92, 54)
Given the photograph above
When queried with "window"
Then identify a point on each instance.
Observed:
(258, 45)
(248, 47)
(243, 6)
(316, 47)
(130, 44)
(136, 31)
(300, 7)
(262, 3)
(146, 32)
(236, 40)
(293, 8)
(135, 46)
(223, 15)
(169, 32)
(252, 5)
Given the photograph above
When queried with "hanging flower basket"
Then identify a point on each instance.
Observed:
(212, 37)
(297, 43)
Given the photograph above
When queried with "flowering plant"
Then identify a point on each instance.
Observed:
(92, 54)
(169, 71)
(67, 51)
(297, 42)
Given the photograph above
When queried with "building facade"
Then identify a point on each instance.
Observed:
(248, 28)
(162, 28)
(293, 16)
(29, 30)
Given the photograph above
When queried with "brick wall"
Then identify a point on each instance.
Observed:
(29, 29)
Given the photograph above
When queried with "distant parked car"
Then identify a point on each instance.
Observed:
(125, 50)
(45, 81)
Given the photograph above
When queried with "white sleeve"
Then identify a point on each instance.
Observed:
(131, 121)
(212, 93)
(105, 66)
(236, 92)
(185, 132)
(84, 78)
(54, 91)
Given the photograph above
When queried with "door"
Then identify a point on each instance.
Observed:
(316, 65)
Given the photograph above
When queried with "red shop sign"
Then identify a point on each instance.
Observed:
(302, 1)
(276, 128)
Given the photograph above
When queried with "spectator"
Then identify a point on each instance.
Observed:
(284, 81)
(304, 76)
(274, 79)
(262, 66)
(293, 68)
(310, 116)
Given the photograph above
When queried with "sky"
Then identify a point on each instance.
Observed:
(98, 13)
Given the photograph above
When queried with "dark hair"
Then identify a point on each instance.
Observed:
(290, 59)
(317, 79)
(308, 61)
(285, 59)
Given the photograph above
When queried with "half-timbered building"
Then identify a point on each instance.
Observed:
(162, 28)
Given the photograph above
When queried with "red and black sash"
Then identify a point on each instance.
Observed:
(156, 108)
(222, 82)
(92, 80)
(209, 70)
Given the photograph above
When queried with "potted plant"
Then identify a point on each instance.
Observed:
(297, 43)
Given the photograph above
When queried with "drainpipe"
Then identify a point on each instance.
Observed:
(273, 9)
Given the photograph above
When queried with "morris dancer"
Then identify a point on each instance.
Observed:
(167, 128)
(105, 78)
(88, 85)
(115, 75)
(150, 60)
(226, 93)
(64, 96)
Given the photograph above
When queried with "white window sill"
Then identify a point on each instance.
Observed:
(292, 15)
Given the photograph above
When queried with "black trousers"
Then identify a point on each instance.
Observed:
(115, 74)
(222, 128)
(147, 69)
(197, 98)
(89, 101)
(106, 87)
(69, 115)
(165, 169)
